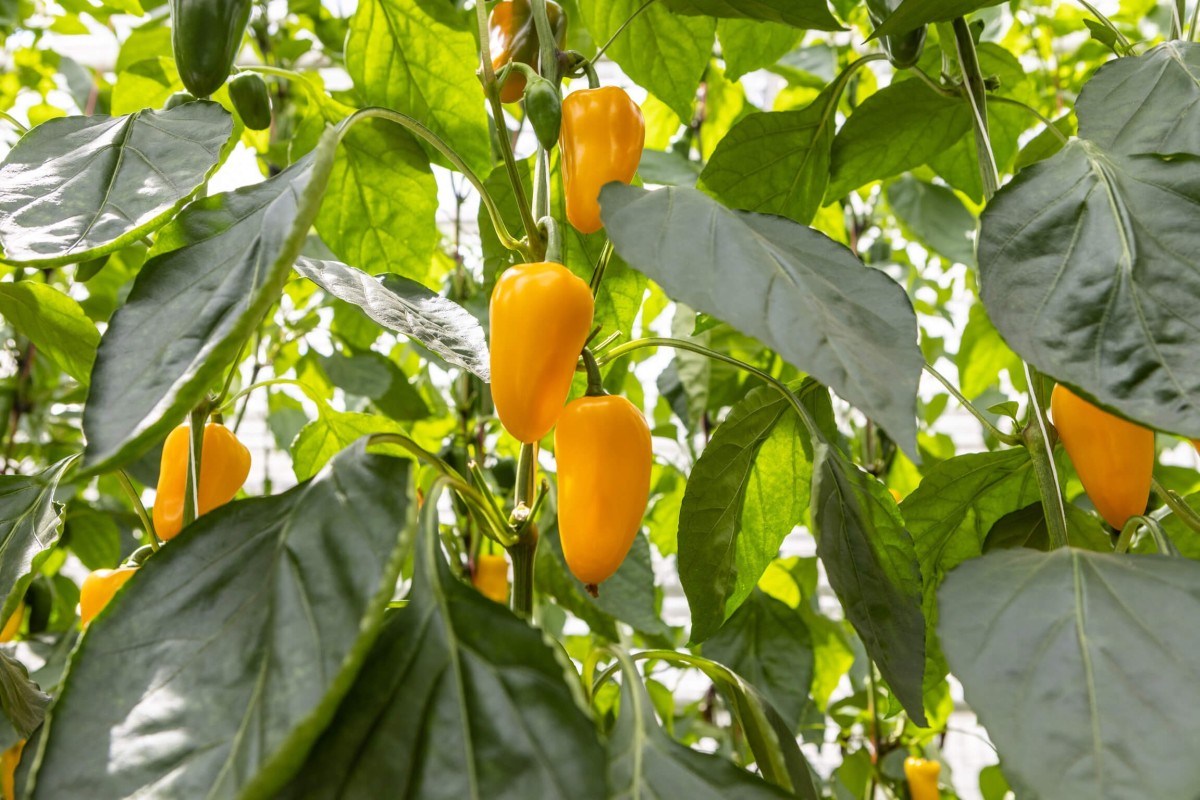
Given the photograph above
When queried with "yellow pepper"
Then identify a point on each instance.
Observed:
(98, 589)
(8, 769)
(896, 496)
(922, 778)
(1114, 457)
(512, 36)
(603, 133)
(491, 577)
(13, 626)
(541, 315)
(224, 466)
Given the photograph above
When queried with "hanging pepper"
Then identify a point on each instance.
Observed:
(98, 588)
(1114, 457)
(491, 577)
(903, 50)
(922, 778)
(603, 133)
(541, 315)
(206, 36)
(543, 107)
(252, 100)
(9, 761)
(224, 466)
(602, 446)
(13, 626)
(512, 35)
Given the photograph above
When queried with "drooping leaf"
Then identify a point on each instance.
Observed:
(406, 307)
(22, 702)
(810, 14)
(799, 292)
(54, 322)
(226, 655)
(1064, 658)
(76, 188)
(219, 267)
(1087, 271)
(912, 14)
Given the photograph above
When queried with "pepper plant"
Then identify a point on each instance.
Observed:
(736, 271)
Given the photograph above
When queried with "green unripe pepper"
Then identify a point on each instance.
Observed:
(543, 106)
(904, 50)
(251, 100)
(206, 36)
(178, 99)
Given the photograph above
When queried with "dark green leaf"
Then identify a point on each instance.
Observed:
(331, 433)
(799, 292)
(54, 322)
(1046, 143)
(1065, 659)
(935, 217)
(79, 187)
(21, 700)
(812, 14)
(29, 528)
(668, 168)
(912, 14)
(748, 45)
(228, 652)
(406, 307)
(92, 535)
(1088, 271)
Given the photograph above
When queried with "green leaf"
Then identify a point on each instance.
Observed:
(799, 292)
(935, 217)
(748, 45)
(406, 307)
(663, 52)
(229, 651)
(331, 433)
(1146, 103)
(768, 644)
(811, 14)
(898, 128)
(404, 58)
(912, 14)
(145, 84)
(668, 168)
(54, 322)
(552, 578)
(459, 698)
(77, 188)
(737, 511)
(92, 535)
(1183, 537)
(1064, 658)
(776, 162)
(1046, 143)
(380, 208)
(982, 355)
(872, 566)
(21, 700)
(1087, 271)
(30, 524)
(219, 267)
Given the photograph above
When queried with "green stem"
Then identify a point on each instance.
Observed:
(232, 401)
(1179, 507)
(618, 32)
(524, 551)
(1006, 438)
(233, 371)
(1045, 120)
(601, 266)
(191, 494)
(1178, 12)
(11, 120)
(526, 475)
(548, 55)
(976, 93)
(595, 382)
(1192, 24)
(1108, 23)
(549, 226)
(139, 507)
(1041, 453)
(482, 486)
(1161, 541)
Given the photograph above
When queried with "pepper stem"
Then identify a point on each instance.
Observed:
(191, 494)
(549, 226)
(595, 383)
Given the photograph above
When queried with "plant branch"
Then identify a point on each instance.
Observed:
(976, 92)
(1041, 452)
(1179, 507)
(139, 507)
(995, 98)
(1007, 438)
(1108, 23)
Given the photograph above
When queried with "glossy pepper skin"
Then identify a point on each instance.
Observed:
(541, 315)
(13, 625)
(922, 778)
(252, 100)
(224, 466)
(9, 760)
(98, 588)
(1114, 457)
(602, 446)
(903, 51)
(491, 577)
(206, 36)
(512, 36)
(603, 133)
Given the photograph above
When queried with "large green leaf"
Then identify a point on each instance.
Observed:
(30, 524)
(1088, 270)
(219, 267)
(745, 494)
(799, 292)
(912, 14)
(22, 702)
(227, 654)
(872, 566)
(54, 322)
(812, 14)
(404, 58)
(459, 698)
(1073, 666)
(1145, 104)
(748, 45)
(935, 217)
(76, 188)
(406, 307)
(661, 51)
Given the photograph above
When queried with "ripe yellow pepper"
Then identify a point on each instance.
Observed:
(8, 769)
(602, 446)
(224, 466)
(512, 36)
(98, 588)
(13, 625)
(541, 315)
(922, 778)
(491, 577)
(603, 133)
(896, 496)
(1114, 457)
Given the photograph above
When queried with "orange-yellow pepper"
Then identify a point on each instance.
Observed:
(1114, 457)
(512, 36)
(98, 588)
(922, 778)
(541, 315)
(491, 577)
(603, 133)
(224, 466)
(896, 496)
(13, 625)
(8, 769)
(602, 446)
